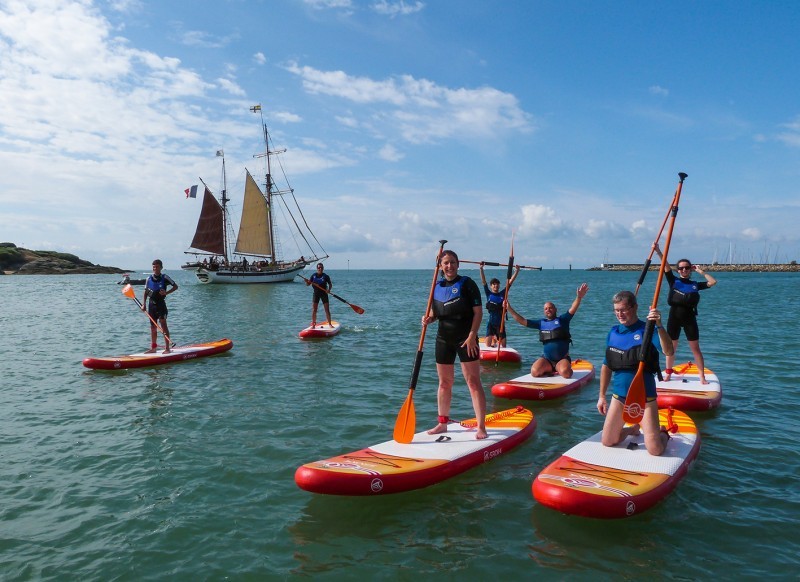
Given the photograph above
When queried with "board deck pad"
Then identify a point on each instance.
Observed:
(592, 480)
(392, 467)
(684, 391)
(146, 360)
(548, 387)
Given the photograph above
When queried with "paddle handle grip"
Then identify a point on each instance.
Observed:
(412, 384)
(643, 274)
(647, 340)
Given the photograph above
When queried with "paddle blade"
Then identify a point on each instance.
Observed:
(128, 291)
(406, 422)
(356, 308)
(633, 410)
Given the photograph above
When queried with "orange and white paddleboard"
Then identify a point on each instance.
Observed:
(321, 330)
(685, 392)
(490, 355)
(146, 360)
(392, 467)
(528, 387)
(620, 481)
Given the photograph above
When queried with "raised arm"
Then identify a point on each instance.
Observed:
(517, 317)
(583, 289)
(483, 277)
(709, 279)
(661, 256)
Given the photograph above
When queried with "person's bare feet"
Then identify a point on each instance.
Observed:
(481, 434)
(438, 429)
(151, 351)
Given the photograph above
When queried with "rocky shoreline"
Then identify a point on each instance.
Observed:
(15, 260)
(792, 267)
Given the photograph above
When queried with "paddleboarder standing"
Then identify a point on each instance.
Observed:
(457, 305)
(684, 295)
(156, 289)
(494, 306)
(322, 279)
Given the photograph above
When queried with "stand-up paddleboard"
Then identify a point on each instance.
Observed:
(611, 482)
(544, 388)
(506, 356)
(685, 392)
(143, 360)
(392, 467)
(321, 330)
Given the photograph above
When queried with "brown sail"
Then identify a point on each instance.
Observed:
(210, 236)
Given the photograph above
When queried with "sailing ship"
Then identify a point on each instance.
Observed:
(255, 258)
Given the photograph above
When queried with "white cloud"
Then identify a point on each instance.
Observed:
(259, 58)
(231, 87)
(658, 90)
(751, 233)
(400, 8)
(420, 110)
(390, 153)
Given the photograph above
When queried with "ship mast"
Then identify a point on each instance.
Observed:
(224, 200)
(268, 182)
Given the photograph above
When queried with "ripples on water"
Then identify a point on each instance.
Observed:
(187, 470)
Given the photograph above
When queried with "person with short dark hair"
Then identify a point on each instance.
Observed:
(322, 279)
(494, 306)
(684, 295)
(155, 288)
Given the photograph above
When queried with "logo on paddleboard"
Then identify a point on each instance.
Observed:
(630, 508)
(376, 485)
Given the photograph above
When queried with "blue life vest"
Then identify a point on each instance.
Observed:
(449, 301)
(494, 302)
(622, 352)
(551, 329)
(684, 293)
(154, 285)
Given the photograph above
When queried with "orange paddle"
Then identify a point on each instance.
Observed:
(508, 290)
(633, 410)
(646, 267)
(355, 308)
(406, 423)
(128, 291)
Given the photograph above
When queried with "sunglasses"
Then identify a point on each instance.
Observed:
(684, 268)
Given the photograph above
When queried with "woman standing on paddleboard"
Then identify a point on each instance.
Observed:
(684, 295)
(457, 305)
(623, 347)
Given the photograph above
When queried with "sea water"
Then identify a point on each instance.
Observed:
(185, 471)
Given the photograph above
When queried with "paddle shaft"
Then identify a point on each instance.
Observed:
(150, 317)
(633, 410)
(491, 264)
(355, 308)
(646, 267)
(507, 291)
(418, 359)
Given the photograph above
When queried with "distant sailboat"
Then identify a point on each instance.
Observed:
(256, 238)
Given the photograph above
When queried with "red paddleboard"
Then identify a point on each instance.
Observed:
(321, 330)
(611, 482)
(392, 467)
(545, 388)
(143, 360)
(685, 392)
(507, 355)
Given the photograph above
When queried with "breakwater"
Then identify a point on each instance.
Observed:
(714, 268)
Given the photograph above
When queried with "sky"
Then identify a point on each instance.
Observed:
(563, 124)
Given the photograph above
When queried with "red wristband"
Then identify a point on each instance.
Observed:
(444, 419)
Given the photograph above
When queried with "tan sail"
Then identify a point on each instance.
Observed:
(210, 236)
(254, 229)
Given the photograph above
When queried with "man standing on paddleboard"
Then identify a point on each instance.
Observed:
(457, 304)
(156, 289)
(323, 280)
(684, 295)
(620, 368)
(554, 334)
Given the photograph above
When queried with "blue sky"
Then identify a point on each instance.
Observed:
(407, 122)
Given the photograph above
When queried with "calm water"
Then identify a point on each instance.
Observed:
(186, 471)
